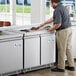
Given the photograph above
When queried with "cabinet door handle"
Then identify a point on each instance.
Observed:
(17, 45)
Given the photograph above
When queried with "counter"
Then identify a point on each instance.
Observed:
(39, 49)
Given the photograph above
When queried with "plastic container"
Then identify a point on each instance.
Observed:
(1, 23)
(5, 23)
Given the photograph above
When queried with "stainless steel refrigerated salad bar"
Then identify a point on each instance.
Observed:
(29, 49)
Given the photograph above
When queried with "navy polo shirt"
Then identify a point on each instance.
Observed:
(61, 15)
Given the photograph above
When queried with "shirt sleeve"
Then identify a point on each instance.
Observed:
(57, 17)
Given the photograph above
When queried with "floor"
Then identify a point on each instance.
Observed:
(47, 72)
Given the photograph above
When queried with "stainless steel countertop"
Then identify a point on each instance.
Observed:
(9, 35)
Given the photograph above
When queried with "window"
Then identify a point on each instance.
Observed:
(23, 12)
(19, 16)
(5, 10)
(69, 0)
(49, 10)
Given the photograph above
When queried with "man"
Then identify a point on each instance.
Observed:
(62, 25)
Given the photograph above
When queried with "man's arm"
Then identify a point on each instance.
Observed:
(54, 27)
(46, 22)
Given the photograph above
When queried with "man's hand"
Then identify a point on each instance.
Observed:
(38, 27)
(49, 29)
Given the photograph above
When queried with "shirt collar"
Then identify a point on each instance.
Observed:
(58, 5)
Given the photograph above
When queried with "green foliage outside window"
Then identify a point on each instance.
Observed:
(20, 9)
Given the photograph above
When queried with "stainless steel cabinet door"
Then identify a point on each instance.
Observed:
(47, 49)
(11, 56)
(74, 42)
(32, 52)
